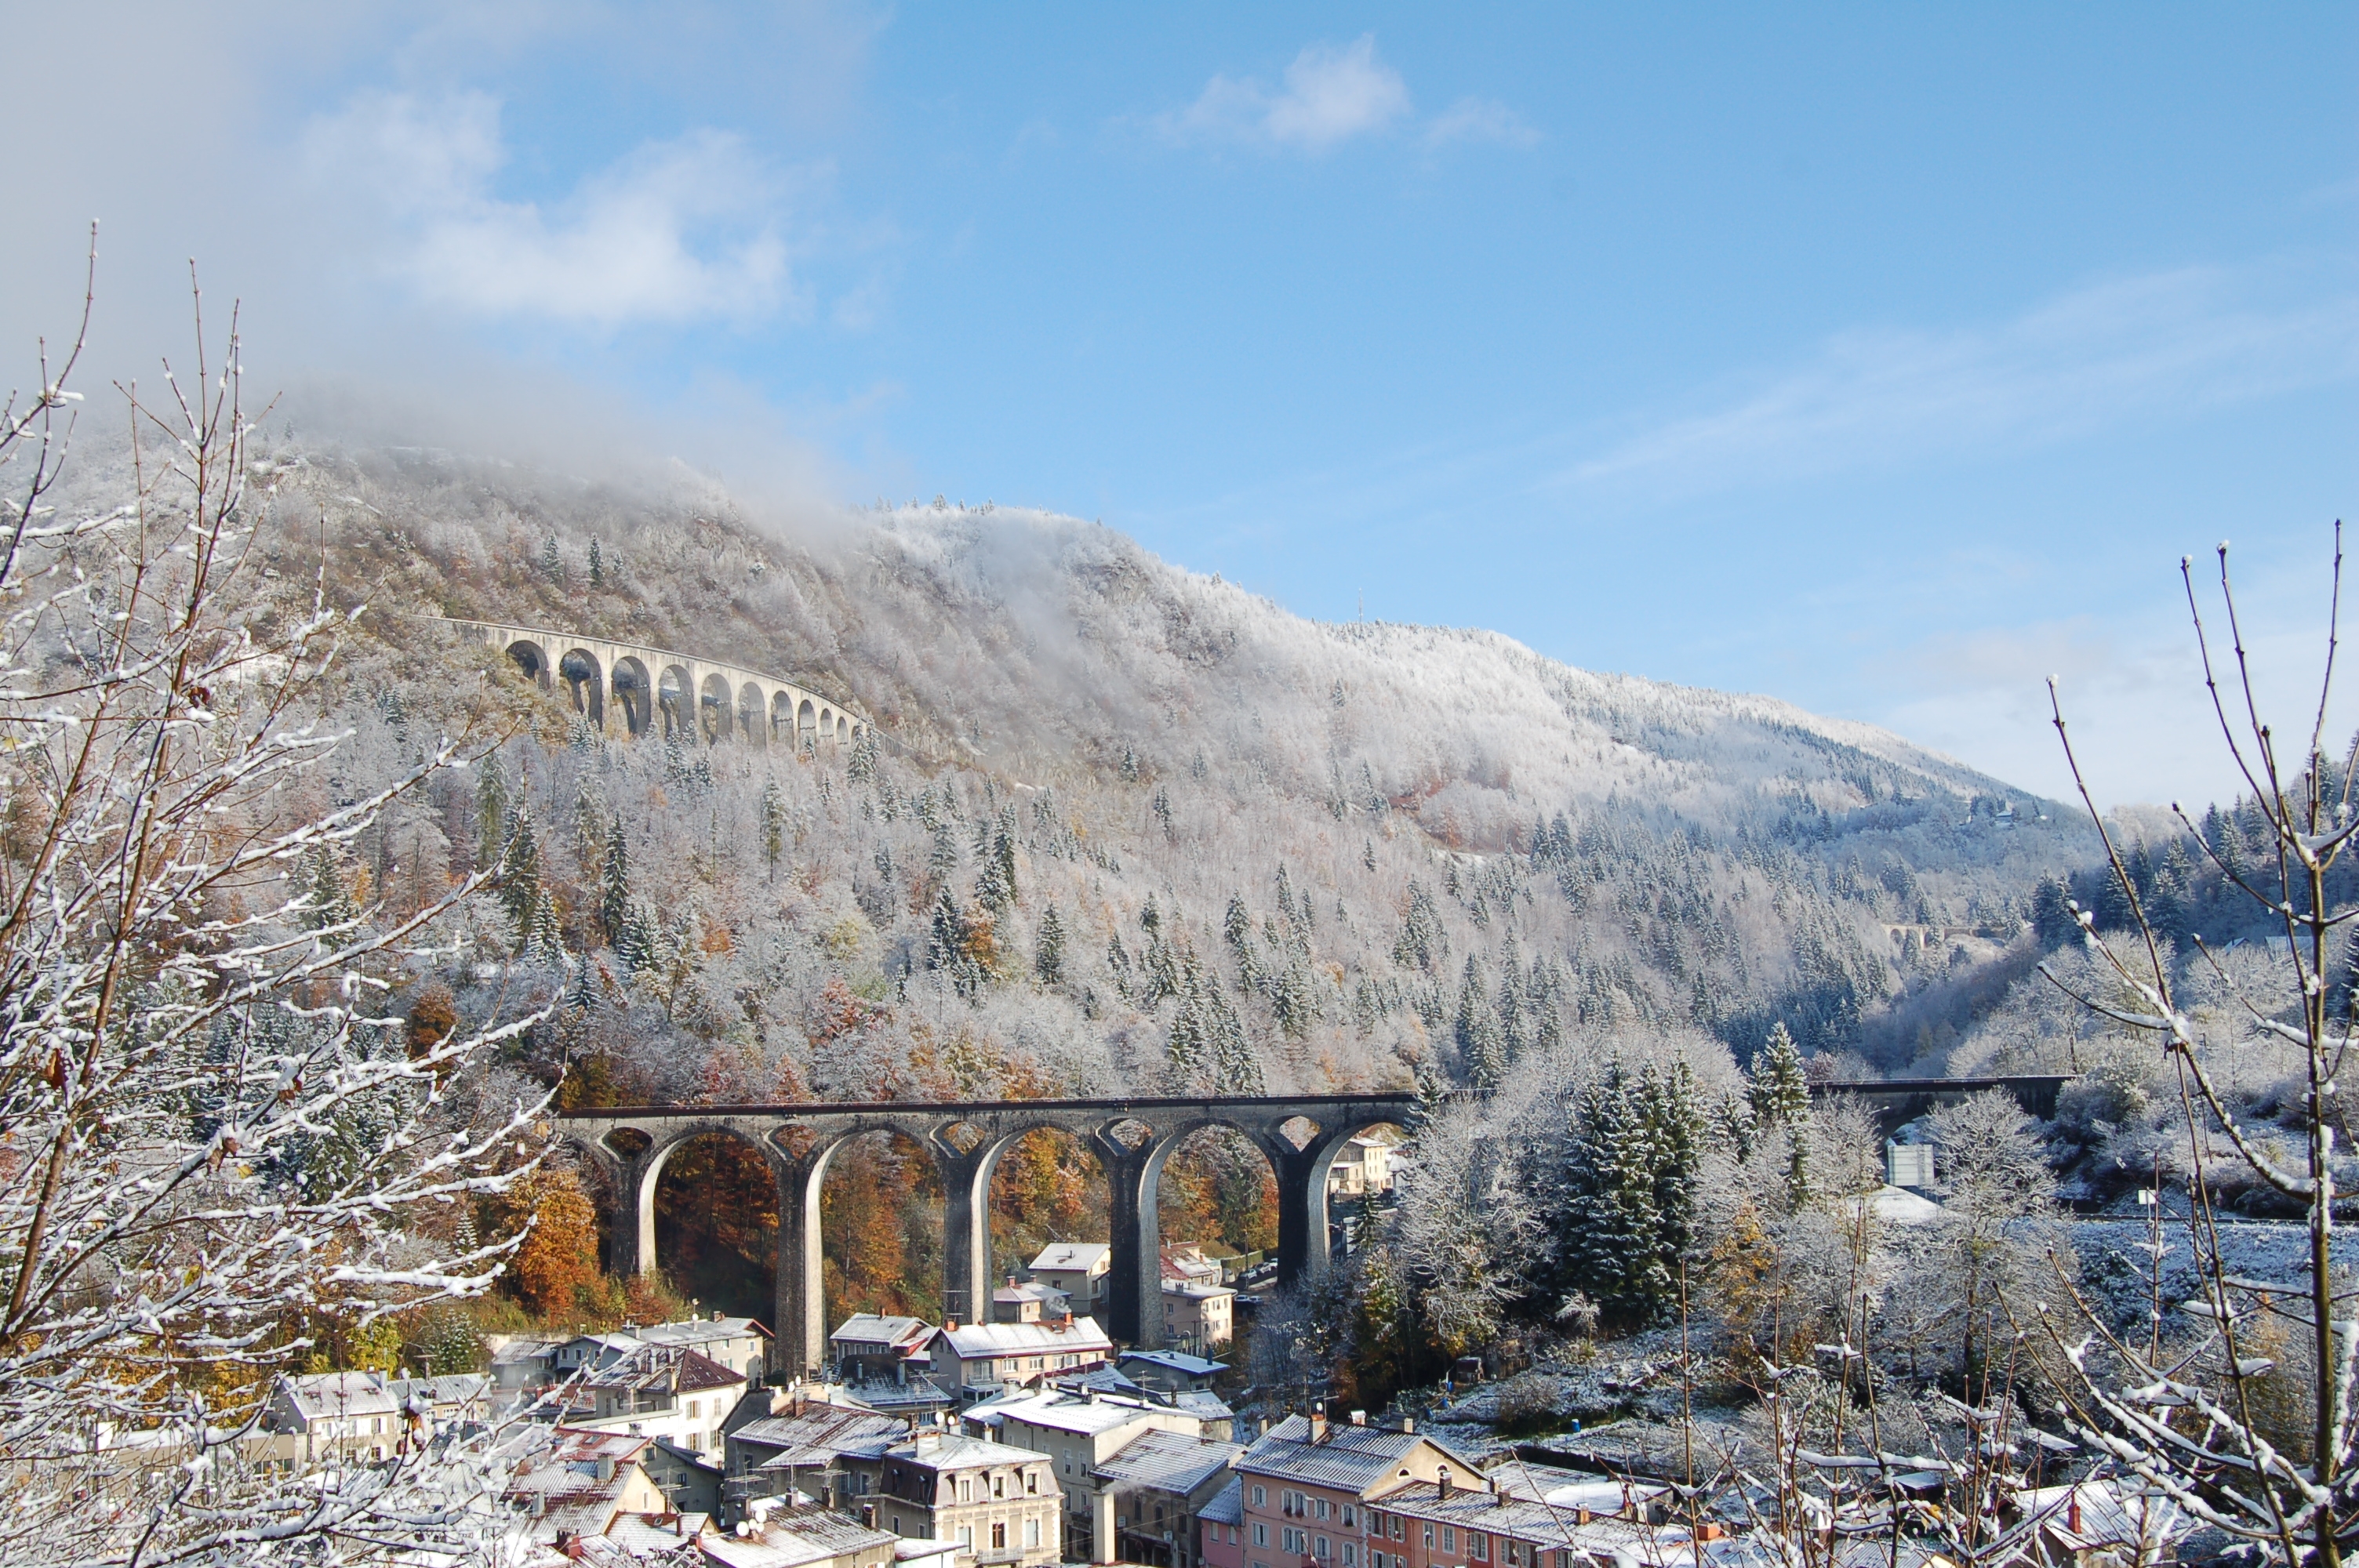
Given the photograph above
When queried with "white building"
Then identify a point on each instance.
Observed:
(1078, 1268)
(658, 1390)
(1198, 1317)
(980, 1356)
(365, 1416)
(1362, 1166)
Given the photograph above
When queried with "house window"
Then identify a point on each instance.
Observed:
(694, 1410)
(1449, 1537)
(1351, 1556)
(1261, 1533)
(896, 1524)
(1261, 1499)
(999, 1537)
(1322, 1507)
(1031, 1534)
(1478, 1546)
(966, 1538)
(1347, 1515)
(1396, 1527)
(1429, 1535)
(999, 1485)
(1320, 1549)
(1031, 1481)
(966, 1489)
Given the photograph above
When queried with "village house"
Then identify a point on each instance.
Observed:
(1188, 1260)
(739, 1344)
(1029, 1300)
(578, 1482)
(1151, 1492)
(1220, 1527)
(312, 1417)
(1175, 1370)
(657, 1390)
(869, 1348)
(976, 1358)
(824, 1453)
(1363, 1167)
(1078, 1268)
(998, 1505)
(1196, 1317)
(1442, 1523)
(1077, 1436)
(1309, 1481)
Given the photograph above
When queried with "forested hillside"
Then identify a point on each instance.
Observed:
(1124, 828)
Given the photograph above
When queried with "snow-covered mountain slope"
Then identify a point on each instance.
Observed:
(1362, 849)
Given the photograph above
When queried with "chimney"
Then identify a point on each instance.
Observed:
(1102, 1542)
(1442, 1487)
(1319, 1425)
(1408, 1426)
(2072, 1514)
(1708, 1531)
(718, 1315)
(1359, 1417)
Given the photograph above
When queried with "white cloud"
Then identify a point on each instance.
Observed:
(1330, 95)
(675, 230)
(1480, 120)
(2157, 346)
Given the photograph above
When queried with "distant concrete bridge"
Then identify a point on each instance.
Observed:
(655, 691)
(1898, 1100)
(1301, 1135)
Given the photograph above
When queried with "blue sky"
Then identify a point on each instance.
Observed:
(1884, 359)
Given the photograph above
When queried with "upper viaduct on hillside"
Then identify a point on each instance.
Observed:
(1301, 1135)
(655, 690)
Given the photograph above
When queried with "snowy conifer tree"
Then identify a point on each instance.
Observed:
(1048, 947)
(1480, 1048)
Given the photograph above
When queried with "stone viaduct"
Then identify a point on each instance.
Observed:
(655, 691)
(1131, 1139)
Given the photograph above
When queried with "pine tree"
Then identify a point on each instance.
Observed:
(1189, 1041)
(323, 887)
(614, 885)
(1048, 947)
(490, 811)
(1293, 998)
(1480, 1049)
(1515, 1030)
(552, 564)
(860, 766)
(597, 566)
(1780, 1090)
(1237, 930)
(947, 936)
(520, 870)
(1611, 1233)
(544, 937)
(1424, 944)
(1236, 1070)
(640, 941)
(774, 824)
(1733, 1126)
(1676, 1127)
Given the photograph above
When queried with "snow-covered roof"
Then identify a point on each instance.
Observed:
(1195, 1289)
(665, 1367)
(1055, 1412)
(1076, 1337)
(1352, 1458)
(1030, 1291)
(789, 1539)
(948, 1451)
(1064, 1257)
(820, 1435)
(702, 1331)
(647, 1535)
(868, 1329)
(562, 1483)
(316, 1396)
(1168, 1461)
(1228, 1505)
(1175, 1361)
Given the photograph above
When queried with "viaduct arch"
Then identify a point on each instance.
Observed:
(634, 690)
(1300, 1136)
